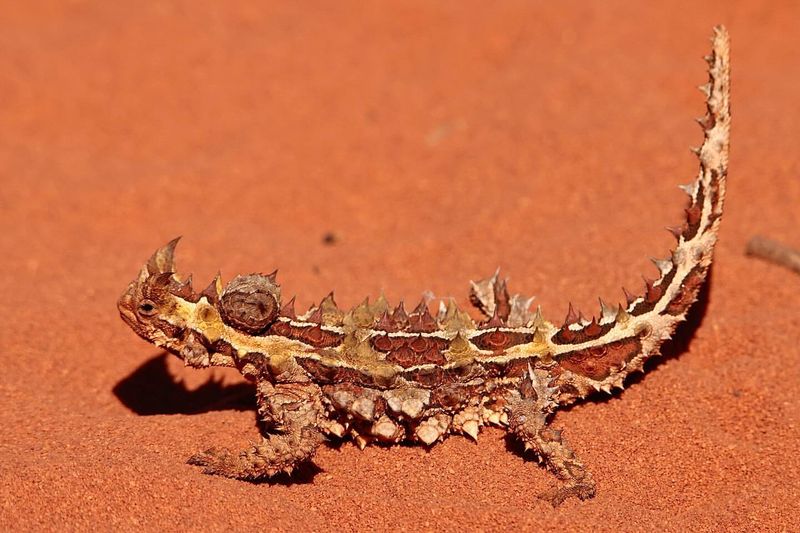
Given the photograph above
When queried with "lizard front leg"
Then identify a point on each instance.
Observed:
(292, 411)
(528, 410)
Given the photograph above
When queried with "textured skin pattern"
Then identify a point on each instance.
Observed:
(386, 375)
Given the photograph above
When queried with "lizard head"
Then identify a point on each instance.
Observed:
(163, 308)
(151, 298)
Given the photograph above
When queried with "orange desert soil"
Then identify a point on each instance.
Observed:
(403, 146)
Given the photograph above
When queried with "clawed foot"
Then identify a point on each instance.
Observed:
(224, 462)
(583, 489)
(275, 454)
(208, 458)
(528, 420)
(217, 461)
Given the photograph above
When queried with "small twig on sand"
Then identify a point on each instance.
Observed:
(774, 252)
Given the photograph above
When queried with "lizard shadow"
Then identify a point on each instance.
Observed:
(152, 390)
(671, 349)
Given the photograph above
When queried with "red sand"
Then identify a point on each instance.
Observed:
(436, 141)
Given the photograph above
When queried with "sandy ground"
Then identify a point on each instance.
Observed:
(434, 141)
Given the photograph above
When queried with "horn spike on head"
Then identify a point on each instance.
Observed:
(183, 289)
(163, 260)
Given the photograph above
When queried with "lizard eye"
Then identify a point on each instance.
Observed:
(147, 308)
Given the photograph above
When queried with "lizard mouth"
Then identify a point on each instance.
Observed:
(125, 305)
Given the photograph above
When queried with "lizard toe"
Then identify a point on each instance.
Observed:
(582, 489)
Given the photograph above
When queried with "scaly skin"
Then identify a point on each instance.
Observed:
(383, 375)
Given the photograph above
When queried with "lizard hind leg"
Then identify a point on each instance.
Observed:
(275, 454)
(528, 410)
(291, 411)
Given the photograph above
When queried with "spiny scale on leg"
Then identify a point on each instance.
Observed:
(381, 374)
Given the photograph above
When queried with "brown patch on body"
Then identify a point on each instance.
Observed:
(597, 362)
(412, 351)
(653, 293)
(428, 377)
(565, 335)
(312, 334)
(498, 341)
(281, 328)
(464, 372)
(716, 176)
(509, 369)
(693, 216)
(517, 367)
(688, 291)
(318, 337)
(330, 373)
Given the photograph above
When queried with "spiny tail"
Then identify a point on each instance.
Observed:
(598, 355)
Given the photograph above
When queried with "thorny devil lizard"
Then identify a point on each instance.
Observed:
(386, 375)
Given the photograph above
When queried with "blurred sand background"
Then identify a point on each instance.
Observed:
(434, 141)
